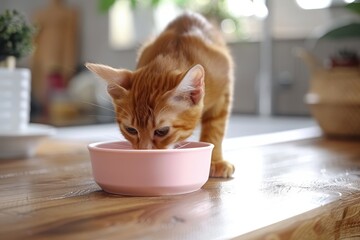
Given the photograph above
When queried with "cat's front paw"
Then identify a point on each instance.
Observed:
(222, 169)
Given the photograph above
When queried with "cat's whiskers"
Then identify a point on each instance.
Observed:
(101, 115)
(106, 99)
(183, 145)
(97, 105)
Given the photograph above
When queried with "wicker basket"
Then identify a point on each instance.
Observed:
(341, 120)
(334, 98)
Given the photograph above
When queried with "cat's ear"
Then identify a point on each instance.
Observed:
(192, 86)
(119, 80)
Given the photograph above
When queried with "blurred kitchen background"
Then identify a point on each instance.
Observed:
(264, 35)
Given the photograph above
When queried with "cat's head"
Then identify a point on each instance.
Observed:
(155, 109)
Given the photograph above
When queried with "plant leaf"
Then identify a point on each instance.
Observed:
(105, 5)
(354, 6)
(133, 4)
(154, 3)
(351, 30)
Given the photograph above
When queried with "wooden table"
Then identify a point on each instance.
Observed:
(307, 189)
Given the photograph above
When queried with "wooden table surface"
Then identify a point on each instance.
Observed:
(307, 189)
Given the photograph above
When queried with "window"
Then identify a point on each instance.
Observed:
(237, 19)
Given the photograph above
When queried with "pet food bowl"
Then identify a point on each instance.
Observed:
(120, 169)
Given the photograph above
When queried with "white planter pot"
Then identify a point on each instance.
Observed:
(15, 85)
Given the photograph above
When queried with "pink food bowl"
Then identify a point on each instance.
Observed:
(120, 169)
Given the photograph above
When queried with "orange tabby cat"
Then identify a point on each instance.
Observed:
(183, 77)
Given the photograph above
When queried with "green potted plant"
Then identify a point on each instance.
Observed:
(15, 42)
(15, 37)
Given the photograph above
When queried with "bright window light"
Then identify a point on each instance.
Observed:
(121, 25)
(247, 8)
(240, 8)
(261, 10)
(313, 4)
(165, 13)
(228, 26)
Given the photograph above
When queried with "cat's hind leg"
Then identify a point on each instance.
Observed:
(213, 127)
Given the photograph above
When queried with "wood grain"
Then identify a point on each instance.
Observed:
(297, 190)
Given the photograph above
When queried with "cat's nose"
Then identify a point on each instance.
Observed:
(145, 145)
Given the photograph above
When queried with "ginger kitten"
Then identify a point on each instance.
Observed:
(183, 77)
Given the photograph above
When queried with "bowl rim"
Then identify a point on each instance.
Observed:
(94, 147)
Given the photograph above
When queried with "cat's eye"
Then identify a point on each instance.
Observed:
(161, 132)
(131, 130)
